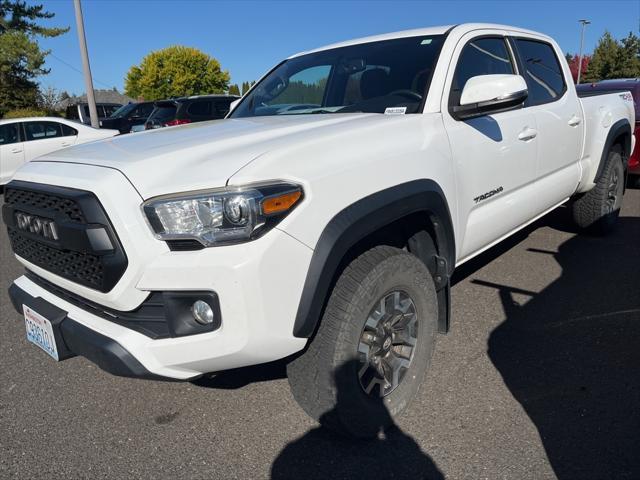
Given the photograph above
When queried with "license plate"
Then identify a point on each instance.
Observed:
(40, 331)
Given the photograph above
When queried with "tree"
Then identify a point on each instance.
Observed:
(614, 59)
(573, 61)
(628, 65)
(176, 71)
(234, 89)
(49, 99)
(21, 60)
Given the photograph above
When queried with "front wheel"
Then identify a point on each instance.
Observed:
(373, 346)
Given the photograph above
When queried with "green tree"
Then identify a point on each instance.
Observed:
(614, 59)
(176, 71)
(628, 65)
(234, 89)
(21, 59)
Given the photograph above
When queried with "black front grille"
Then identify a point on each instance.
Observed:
(43, 201)
(82, 267)
(74, 254)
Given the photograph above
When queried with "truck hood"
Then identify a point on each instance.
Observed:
(200, 155)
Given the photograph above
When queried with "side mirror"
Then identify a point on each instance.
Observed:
(487, 94)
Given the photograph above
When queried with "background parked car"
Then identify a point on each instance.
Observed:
(128, 116)
(178, 111)
(621, 85)
(80, 111)
(23, 139)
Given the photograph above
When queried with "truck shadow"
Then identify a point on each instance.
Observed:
(570, 355)
(322, 454)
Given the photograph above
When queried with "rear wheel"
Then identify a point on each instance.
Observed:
(373, 345)
(597, 210)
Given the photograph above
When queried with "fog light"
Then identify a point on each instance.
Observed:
(202, 312)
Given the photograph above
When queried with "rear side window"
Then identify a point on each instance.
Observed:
(9, 133)
(481, 56)
(202, 108)
(42, 130)
(163, 113)
(67, 131)
(541, 70)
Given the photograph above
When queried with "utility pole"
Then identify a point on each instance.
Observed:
(88, 82)
(584, 24)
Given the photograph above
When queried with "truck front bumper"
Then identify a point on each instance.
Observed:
(75, 339)
(258, 295)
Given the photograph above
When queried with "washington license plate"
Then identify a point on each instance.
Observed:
(40, 331)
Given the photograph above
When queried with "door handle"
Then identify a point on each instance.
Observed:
(16, 150)
(527, 134)
(574, 121)
(65, 144)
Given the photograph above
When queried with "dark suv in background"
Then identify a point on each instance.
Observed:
(80, 111)
(128, 116)
(178, 111)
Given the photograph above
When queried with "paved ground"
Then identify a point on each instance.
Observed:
(539, 378)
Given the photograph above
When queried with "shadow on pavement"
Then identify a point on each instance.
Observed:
(241, 377)
(322, 454)
(571, 355)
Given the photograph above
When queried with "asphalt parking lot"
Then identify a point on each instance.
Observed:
(539, 378)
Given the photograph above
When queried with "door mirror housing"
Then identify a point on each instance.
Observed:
(486, 94)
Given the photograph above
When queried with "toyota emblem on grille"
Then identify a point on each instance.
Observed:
(40, 226)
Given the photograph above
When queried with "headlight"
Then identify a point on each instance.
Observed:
(225, 215)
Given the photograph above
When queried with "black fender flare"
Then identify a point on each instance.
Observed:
(361, 219)
(621, 127)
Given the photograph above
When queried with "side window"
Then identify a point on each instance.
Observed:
(542, 71)
(143, 111)
(200, 108)
(68, 131)
(41, 130)
(482, 56)
(9, 133)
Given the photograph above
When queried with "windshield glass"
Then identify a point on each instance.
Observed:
(123, 111)
(370, 77)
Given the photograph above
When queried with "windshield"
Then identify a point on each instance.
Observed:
(390, 76)
(123, 111)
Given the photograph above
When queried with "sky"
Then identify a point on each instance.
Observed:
(250, 37)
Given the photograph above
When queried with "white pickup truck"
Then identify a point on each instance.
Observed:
(320, 221)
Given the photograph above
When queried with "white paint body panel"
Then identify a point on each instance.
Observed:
(338, 159)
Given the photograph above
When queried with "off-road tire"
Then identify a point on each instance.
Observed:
(324, 379)
(592, 211)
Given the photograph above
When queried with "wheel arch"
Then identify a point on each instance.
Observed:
(416, 203)
(619, 134)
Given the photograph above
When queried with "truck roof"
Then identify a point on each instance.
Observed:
(437, 30)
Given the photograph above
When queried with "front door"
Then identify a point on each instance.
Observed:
(494, 155)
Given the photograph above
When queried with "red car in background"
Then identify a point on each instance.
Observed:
(620, 85)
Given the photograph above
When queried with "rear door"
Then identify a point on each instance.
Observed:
(558, 118)
(494, 155)
(11, 150)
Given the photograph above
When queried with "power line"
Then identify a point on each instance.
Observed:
(78, 70)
